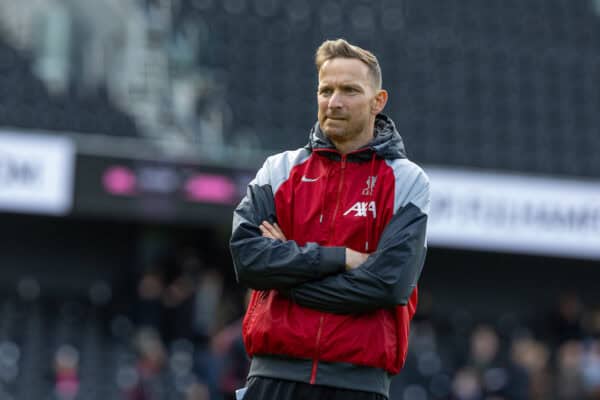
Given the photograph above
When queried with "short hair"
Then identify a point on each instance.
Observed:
(340, 48)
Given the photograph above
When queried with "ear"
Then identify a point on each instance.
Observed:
(379, 101)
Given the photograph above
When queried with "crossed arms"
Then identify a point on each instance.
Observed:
(331, 279)
(273, 231)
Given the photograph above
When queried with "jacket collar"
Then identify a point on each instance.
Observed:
(387, 142)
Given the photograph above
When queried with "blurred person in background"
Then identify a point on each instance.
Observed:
(228, 346)
(149, 306)
(566, 321)
(467, 385)
(205, 319)
(66, 373)
(498, 377)
(569, 379)
(150, 367)
(179, 296)
(485, 346)
(331, 237)
(534, 356)
(591, 369)
(197, 391)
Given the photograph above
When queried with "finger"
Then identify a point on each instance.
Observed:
(265, 232)
(272, 227)
(273, 231)
(269, 231)
(280, 231)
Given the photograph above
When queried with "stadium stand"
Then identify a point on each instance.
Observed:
(465, 77)
(508, 85)
(71, 348)
(26, 103)
(495, 84)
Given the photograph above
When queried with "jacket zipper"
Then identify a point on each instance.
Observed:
(313, 373)
(315, 364)
(339, 192)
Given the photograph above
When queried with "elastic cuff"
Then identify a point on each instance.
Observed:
(333, 260)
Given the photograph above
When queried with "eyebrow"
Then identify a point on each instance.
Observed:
(351, 85)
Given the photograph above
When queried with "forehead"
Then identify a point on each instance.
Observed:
(343, 70)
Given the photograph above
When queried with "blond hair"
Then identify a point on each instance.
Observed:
(340, 48)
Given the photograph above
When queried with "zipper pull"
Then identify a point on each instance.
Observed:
(321, 219)
(343, 161)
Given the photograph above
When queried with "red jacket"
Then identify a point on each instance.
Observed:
(306, 306)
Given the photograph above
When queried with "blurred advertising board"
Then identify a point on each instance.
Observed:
(154, 190)
(514, 213)
(36, 173)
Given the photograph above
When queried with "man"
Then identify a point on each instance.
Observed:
(331, 237)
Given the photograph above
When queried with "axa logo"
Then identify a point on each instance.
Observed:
(361, 208)
(368, 191)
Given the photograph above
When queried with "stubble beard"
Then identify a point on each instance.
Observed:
(344, 135)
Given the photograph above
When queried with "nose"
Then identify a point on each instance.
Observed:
(335, 101)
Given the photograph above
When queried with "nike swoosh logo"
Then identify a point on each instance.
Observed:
(305, 179)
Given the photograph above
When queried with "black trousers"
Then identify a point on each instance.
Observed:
(278, 389)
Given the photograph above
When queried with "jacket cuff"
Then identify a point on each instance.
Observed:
(333, 260)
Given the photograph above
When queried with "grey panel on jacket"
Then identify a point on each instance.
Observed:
(412, 184)
(276, 168)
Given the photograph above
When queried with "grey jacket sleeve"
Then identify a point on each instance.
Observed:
(386, 279)
(262, 263)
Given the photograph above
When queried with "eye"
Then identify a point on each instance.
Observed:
(325, 91)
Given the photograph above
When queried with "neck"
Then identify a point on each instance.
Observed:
(348, 146)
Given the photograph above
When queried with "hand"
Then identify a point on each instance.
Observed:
(354, 259)
(272, 231)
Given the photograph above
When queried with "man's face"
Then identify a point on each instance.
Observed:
(346, 99)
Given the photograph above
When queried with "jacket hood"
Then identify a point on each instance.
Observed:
(387, 143)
